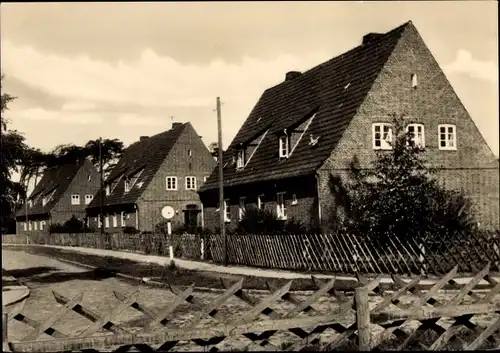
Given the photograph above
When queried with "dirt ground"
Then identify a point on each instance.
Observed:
(44, 275)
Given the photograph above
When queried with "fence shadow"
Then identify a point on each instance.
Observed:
(28, 272)
(97, 274)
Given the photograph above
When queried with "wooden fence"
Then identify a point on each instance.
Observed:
(360, 322)
(332, 253)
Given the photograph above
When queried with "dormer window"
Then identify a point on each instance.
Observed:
(284, 146)
(108, 190)
(30, 203)
(45, 199)
(382, 136)
(240, 158)
(127, 185)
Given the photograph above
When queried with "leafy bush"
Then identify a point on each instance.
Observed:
(400, 197)
(72, 225)
(256, 221)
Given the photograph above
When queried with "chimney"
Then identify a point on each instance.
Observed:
(174, 125)
(142, 138)
(292, 74)
(370, 37)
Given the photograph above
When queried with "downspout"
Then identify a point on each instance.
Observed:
(318, 198)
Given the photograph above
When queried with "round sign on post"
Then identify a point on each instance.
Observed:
(167, 212)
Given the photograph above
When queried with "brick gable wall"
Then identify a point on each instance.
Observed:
(178, 163)
(472, 167)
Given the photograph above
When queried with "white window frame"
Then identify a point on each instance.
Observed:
(115, 221)
(127, 185)
(191, 180)
(89, 177)
(414, 81)
(284, 146)
(280, 206)
(227, 211)
(173, 182)
(294, 199)
(122, 219)
(30, 225)
(190, 153)
(45, 199)
(99, 223)
(260, 204)
(35, 225)
(30, 203)
(42, 225)
(25, 226)
(241, 208)
(108, 190)
(418, 138)
(205, 179)
(106, 221)
(240, 158)
(385, 144)
(75, 197)
(448, 146)
(88, 198)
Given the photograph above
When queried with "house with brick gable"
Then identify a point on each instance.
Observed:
(63, 192)
(166, 169)
(304, 132)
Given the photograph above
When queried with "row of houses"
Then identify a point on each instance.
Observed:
(299, 138)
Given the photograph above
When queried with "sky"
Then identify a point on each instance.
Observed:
(124, 70)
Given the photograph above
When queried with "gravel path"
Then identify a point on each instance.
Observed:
(44, 275)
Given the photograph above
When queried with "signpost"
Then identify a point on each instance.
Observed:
(168, 213)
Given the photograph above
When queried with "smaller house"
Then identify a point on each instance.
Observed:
(63, 192)
(155, 174)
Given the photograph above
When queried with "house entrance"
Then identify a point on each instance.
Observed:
(191, 216)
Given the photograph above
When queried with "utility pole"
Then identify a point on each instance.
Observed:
(27, 219)
(101, 192)
(222, 211)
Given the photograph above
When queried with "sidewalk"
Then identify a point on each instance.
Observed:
(233, 270)
(12, 291)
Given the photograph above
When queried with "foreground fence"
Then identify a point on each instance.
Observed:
(281, 320)
(318, 252)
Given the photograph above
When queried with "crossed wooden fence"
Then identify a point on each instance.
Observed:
(348, 322)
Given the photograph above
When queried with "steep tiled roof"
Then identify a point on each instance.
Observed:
(334, 90)
(146, 155)
(54, 179)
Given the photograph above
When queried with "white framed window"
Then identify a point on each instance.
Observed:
(284, 146)
(42, 225)
(75, 199)
(241, 208)
(89, 177)
(35, 225)
(25, 226)
(122, 218)
(260, 202)
(30, 203)
(382, 136)
(108, 190)
(115, 221)
(240, 159)
(171, 183)
(98, 218)
(294, 199)
(205, 179)
(45, 199)
(30, 225)
(190, 183)
(280, 205)
(106, 221)
(418, 134)
(190, 153)
(127, 185)
(88, 198)
(227, 211)
(447, 137)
